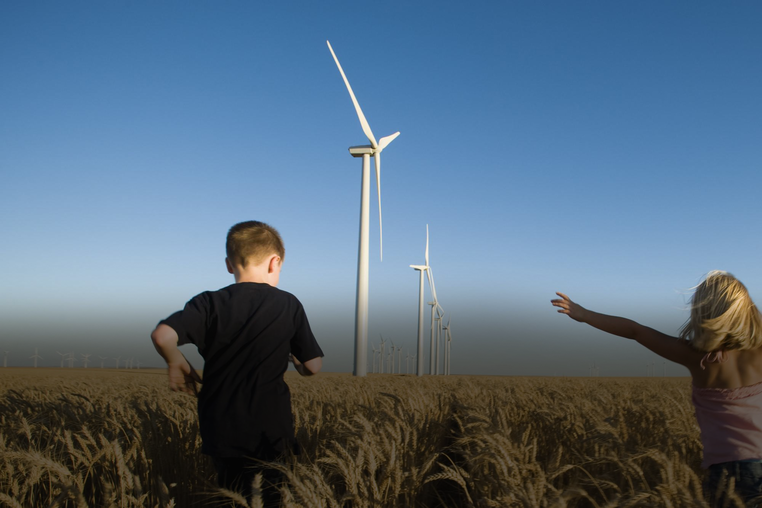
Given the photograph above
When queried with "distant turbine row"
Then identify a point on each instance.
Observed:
(69, 359)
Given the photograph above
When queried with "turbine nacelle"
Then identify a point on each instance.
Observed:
(373, 150)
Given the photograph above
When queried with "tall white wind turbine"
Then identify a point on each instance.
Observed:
(366, 152)
(36, 357)
(421, 269)
(436, 313)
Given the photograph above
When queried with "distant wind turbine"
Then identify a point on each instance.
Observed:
(366, 152)
(117, 361)
(421, 269)
(63, 357)
(5, 358)
(382, 347)
(36, 357)
(436, 313)
(86, 359)
(375, 352)
(102, 359)
(446, 341)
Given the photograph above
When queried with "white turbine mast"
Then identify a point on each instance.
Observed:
(381, 348)
(63, 357)
(446, 340)
(102, 358)
(434, 315)
(5, 359)
(117, 361)
(421, 269)
(36, 357)
(85, 359)
(366, 152)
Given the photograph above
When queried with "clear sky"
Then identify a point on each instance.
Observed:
(609, 150)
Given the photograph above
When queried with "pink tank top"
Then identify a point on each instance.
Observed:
(731, 423)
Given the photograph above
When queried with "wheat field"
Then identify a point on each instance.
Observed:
(110, 438)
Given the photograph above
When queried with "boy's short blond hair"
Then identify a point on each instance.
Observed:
(723, 316)
(252, 242)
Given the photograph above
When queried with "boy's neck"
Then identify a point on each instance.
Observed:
(267, 272)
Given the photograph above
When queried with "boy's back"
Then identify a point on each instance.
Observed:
(245, 332)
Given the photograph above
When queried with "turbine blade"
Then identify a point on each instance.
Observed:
(377, 157)
(384, 142)
(363, 121)
(427, 245)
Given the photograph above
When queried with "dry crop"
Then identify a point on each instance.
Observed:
(107, 438)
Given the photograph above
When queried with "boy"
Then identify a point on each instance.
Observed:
(247, 333)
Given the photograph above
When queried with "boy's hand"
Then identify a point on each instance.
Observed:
(571, 309)
(183, 378)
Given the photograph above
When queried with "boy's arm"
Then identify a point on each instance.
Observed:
(308, 368)
(664, 345)
(182, 376)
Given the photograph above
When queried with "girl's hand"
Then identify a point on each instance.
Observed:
(566, 306)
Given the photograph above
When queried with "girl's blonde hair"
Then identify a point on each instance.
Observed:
(723, 316)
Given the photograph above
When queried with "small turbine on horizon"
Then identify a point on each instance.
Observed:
(366, 152)
(36, 357)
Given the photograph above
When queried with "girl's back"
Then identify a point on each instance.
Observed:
(728, 369)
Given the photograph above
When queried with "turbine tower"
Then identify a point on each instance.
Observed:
(86, 359)
(446, 339)
(421, 269)
(36, 357)
(366, 152)
(5, 359)
(382, 347)
(434, 315)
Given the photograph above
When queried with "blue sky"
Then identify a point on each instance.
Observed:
(609, 150)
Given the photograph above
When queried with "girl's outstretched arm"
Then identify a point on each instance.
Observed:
(664, 345)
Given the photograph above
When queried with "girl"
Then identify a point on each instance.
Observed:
(720, 346)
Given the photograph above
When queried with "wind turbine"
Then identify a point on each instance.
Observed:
(445, 338)
(421, 269)
(117, 361)
(375, 351)
(382, 348)
(5, 359)
(102, 358)
(86, 359)
(63, 357)
(366, 152)
(71, 360)
(399, 360)
(36, 357)
(439, 313)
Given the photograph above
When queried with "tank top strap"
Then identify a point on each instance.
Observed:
(713, 357)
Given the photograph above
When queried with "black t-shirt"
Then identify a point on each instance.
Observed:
(245, 333)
